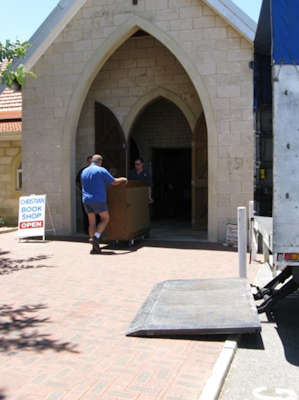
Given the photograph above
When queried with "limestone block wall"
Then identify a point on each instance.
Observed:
(10, 158)
(162, 125)
(213, 53)
(137, 68)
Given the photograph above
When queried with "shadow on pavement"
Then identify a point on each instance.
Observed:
(113, 253)
(139, 243)
(253, 341)
(285, 315)
(197, 338)
(181, 244)
(9, 265)
(18, 331)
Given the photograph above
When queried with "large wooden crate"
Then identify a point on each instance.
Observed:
(129, 211)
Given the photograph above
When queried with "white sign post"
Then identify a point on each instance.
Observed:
(242, 241)
(32, 210)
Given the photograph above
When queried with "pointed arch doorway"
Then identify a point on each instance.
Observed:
(93, 65)
(164, 139)
(175, 151)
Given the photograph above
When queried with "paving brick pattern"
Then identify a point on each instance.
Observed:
(64, 314)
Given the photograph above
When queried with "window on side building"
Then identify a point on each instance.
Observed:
(19, 177)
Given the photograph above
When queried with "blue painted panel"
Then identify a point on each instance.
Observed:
(285, 31)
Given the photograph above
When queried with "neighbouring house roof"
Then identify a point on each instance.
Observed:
(10, 104)
(65, 10)
(10, 126)
(10, 100)
(10, 109)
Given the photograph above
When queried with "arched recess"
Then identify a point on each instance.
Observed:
(17, 160)
(91, 68)
(140, 105)
(109, 140)
(200, 175)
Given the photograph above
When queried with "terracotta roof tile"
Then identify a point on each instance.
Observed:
(15, 126)
(9, 99)
(3, 65)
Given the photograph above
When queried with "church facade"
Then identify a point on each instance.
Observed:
(167, 80)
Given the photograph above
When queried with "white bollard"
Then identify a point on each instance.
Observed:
(242, 241)
(250, 226)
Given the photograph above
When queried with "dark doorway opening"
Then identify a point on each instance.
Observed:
(134, 153)
(171, 184)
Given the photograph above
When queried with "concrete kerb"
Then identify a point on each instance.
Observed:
(215, 382)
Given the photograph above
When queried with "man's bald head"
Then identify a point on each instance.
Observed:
(97, 158)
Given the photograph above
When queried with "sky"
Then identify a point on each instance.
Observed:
(20, 19)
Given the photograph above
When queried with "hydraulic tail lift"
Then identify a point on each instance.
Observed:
(197, 307)
(287, 281)
(270, 294)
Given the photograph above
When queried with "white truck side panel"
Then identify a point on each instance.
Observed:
(286, 159)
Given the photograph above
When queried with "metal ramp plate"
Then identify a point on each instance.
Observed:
(197, 307)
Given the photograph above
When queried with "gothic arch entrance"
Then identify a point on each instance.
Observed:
(92, 68)
(164, 138)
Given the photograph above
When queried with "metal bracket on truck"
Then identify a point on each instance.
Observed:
(287, 281)
(270, 294)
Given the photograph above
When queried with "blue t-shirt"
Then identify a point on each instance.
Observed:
(143, 176)
(94, 180)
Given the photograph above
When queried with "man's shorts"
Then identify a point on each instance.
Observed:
(95, 208)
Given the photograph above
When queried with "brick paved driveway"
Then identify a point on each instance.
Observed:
(64, 314)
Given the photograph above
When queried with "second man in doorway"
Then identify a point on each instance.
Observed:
(139, 174)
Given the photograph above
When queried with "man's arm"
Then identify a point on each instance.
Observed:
(119, 181)
(150, 199)
(149, 183)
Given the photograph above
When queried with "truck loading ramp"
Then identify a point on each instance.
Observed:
(197, 307)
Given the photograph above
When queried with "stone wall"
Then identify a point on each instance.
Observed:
(161, 125)
(138, 67)
(216, 58)
(10, 158)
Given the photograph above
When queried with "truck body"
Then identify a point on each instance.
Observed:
(276, 105)
(276, 72)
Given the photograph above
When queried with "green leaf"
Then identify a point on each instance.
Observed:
(14, 50)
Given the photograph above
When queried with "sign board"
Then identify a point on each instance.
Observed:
(32, 210)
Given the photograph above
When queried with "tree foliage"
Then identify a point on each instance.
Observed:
(14, 76)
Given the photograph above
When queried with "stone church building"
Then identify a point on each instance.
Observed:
(168, 80)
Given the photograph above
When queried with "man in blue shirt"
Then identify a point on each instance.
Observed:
(94, 180)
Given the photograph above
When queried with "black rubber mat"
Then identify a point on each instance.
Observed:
(197, 307)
